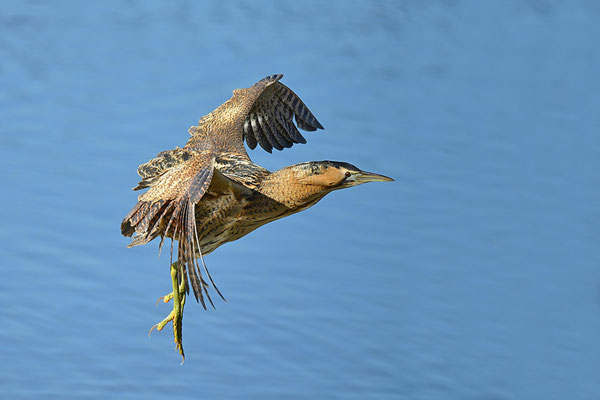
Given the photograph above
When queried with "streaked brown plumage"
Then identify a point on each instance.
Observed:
(209, 192)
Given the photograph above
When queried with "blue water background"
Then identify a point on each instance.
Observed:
(475, 275)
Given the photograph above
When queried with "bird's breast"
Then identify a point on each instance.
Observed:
(224, 218)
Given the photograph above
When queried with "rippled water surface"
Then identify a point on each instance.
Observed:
(474, 276)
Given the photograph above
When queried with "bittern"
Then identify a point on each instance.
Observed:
(209, 192)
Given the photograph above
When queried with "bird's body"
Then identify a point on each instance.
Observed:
(209, 192)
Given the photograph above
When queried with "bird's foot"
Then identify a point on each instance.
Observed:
(176, 315)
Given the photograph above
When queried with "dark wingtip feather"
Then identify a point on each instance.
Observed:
(300, 138)
(249, 135)
(271, 78)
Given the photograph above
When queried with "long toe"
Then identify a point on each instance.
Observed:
(161, 324)
(176, 317)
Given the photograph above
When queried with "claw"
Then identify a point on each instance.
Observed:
(165, 299)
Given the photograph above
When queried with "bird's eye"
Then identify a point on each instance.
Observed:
(348, 174)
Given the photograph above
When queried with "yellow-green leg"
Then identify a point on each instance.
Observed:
(176, 315)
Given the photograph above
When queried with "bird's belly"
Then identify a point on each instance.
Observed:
(229, 229)
(230, 220)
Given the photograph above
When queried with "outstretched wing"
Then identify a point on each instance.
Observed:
(269, 120)
(261, 114)
(177, 180)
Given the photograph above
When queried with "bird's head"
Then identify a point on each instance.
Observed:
(333, 175)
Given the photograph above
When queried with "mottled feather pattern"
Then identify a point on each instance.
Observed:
(239, 169)
(262, 114)
(164, 161)
(178, 180)
(168, 209)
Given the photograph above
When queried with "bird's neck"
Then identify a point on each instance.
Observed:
(286, 187)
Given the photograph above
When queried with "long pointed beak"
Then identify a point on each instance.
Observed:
(364, 177)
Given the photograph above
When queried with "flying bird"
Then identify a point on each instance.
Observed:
(209, 192)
